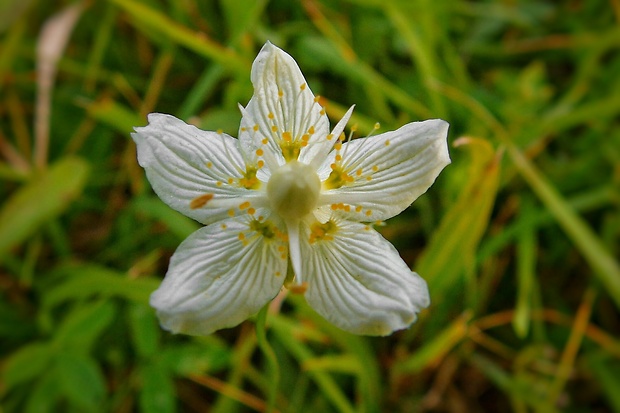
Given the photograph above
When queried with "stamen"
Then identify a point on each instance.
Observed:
(200, 201)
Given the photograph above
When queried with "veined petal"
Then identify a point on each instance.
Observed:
(357, 280)
(222, 274)
(283, 114)
(375, 178)
(201, 174)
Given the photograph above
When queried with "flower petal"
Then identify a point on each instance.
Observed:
(357, 280)
(387, 172)
(222, 274)
(185, 164)
(283, 114)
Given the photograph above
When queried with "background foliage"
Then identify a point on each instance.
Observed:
(518, 239)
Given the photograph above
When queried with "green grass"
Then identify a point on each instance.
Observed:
(519, 238)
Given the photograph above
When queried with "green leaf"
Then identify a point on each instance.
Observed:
(46, 196)
(158, 393)
(145, 330)
(84, 325)
(91, 280)
(115, 115)
(437, 348)
(451, 251)
(196, 358)
(26, 364)
(157, 22)
(178, 223)
(44, 395)
(605, 370)
(81, 381)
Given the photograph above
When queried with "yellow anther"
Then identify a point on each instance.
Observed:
(305, 137)
(274, 128)
(387, 143)
(231, 213)
(244, 205)
(299, 288)
(270, 115)
(311, 130)
(322, 112)
(219, 183)
(209, 165)
(223, 226)
(255, 128)
(338, 158)
(287, 137)
(230, 181)
(241, 236)
(322, 232)
(265, 141)
(266, 229)
(368, 212)
(261, 163)
(200, 201)
(302, 87)
(375, 168)
(359, 172)
(330, 137)
(219, 131)
(358, 208)
(259, 152)
(377, 125)
(317, 98)
(280, 93)
(251, 211)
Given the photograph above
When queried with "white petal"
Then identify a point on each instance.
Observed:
(217, 278)
(184, 163)
(358, 282)
(282, 99)
(388, 171)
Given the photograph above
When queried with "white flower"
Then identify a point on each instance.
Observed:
(288, 195)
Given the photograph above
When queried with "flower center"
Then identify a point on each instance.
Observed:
(293, 189)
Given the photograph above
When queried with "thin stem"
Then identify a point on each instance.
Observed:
(272, 360)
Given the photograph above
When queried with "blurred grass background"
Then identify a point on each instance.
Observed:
(519, 238)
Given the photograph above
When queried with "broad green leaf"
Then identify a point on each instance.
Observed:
(26, 364)
(178, 224)
(196, 358)
(451, 251)
(145, 330)
(84, 325)
(91, 280)
(80, 381)
(46, 196)
(45, 394)
(157, 394)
